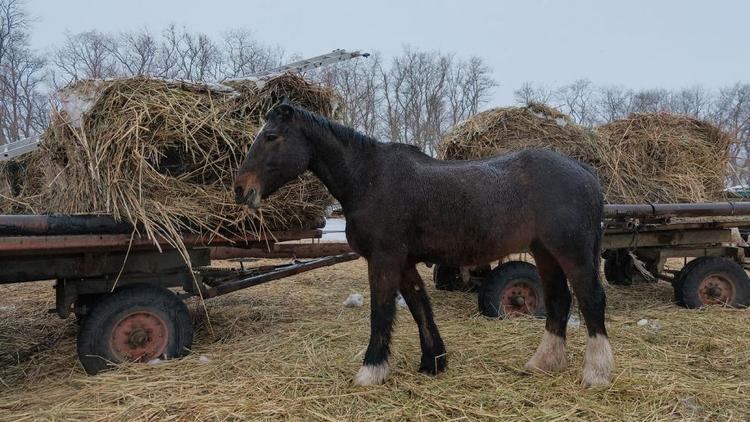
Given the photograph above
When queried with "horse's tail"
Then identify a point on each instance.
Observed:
(599, 226)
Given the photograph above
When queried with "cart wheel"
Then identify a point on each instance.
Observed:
(712, 280)
(137, 323)
(618, 267)
(84, 304)
(512, 289)
(448, 278)
(678, 281)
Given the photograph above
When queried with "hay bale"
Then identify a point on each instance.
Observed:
(661, 157)
(163, 154)
(649, 157)
(505, 130)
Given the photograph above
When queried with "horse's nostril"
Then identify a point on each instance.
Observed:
(251, 193)
(238, 192)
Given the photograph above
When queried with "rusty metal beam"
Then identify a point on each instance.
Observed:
(254, 280)
(283, 250)
(76, 243)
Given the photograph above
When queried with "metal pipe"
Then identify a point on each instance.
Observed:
(290, 270)
(61, 224)
(705, 209)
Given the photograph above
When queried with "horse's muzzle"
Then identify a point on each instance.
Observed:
(249, 197)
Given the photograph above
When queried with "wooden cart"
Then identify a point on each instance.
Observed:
(128, 291)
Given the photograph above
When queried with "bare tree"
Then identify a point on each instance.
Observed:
(136, 53)
(528, 93)
(469, 86)
(243, 55)
(359, 85)
(22, 103)
(87, 55)
(414, 96)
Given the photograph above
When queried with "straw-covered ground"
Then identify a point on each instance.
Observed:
(288, 350)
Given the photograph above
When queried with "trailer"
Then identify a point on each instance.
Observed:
(710, 239)
(127, 291)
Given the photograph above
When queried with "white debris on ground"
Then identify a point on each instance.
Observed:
(401, 302)
(574, 322)
(654, 325)
(203, 359)
(355, 300)
(156, 361)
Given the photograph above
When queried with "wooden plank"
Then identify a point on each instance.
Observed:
(16, 245)
(100, 264)
(666, 239)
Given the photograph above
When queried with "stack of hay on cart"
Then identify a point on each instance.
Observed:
(163, 154)
(647, 157)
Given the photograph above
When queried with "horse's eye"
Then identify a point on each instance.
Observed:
(271, 137)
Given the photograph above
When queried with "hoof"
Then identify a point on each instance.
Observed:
(595, 380)
(371, 375)
(433, 365)
(549, 356)
(598, 363)
(548, 366)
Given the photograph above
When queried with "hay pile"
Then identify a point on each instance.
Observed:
(289, 349)
(661, 157)
(648, 157)
(163, 154)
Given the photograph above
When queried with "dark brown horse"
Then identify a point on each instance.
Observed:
(403, 207)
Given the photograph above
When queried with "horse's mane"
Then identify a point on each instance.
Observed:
(348, 135)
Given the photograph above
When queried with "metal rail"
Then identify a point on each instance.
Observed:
(285, 271)
(704, 209)
(335, 56)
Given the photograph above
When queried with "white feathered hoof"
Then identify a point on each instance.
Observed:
(598, 363)
(549, 356)
(371, 375)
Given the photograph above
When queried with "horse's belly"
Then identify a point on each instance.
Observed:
(458, 248)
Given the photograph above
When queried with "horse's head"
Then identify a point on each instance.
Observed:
(279, 154)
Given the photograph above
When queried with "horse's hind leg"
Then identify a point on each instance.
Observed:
(550, 355)
(584, 279)
(433, 351)
(384, 277)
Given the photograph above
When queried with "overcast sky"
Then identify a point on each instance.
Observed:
(636, 44)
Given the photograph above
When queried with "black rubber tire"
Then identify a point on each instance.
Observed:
(618, 268)
(678, 281)
(687, 281)
(88, 301)
(449, 278)
(93, 338)
(503, 277)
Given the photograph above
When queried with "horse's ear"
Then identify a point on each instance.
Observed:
(285, 110)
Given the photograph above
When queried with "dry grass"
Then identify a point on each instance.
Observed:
(648, 157)
(288, 350)
(163, 154)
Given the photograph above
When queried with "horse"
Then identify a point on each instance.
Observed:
(403, 207)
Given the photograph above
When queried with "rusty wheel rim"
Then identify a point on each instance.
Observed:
(139, 337)
(716, 290)
(519, 298)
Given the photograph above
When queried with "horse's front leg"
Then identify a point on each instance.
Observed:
(384, 276)
(433, 351)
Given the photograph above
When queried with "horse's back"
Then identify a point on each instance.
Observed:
(491, 206)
